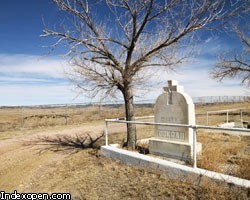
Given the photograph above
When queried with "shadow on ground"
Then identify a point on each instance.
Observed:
(66, 143)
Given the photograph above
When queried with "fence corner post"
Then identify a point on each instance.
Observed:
(106, 132)
(207, 119)
(227, 116)
(194, 147)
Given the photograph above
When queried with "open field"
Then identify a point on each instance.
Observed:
(14, 118)
(37, 159)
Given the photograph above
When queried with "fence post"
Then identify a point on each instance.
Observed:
(194, 148)
(227, 116)
(106, 132)
(207, 118)
(66, 114)
(22, 120)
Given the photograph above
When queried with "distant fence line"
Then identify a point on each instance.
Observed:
(221, 99)
(196, 100)
(14, 117)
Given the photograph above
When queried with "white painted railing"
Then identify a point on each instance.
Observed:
(194, 127)
(224, 111)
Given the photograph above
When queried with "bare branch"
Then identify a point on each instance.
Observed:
(137, 36)
(232, 65)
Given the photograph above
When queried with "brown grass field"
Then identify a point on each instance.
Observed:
(11, 118)
(37, 158)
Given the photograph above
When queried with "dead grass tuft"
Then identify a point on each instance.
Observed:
(225, 154)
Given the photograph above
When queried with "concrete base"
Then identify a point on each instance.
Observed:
(172, 169)
(227, 125)
(236, 124)
(177, 150)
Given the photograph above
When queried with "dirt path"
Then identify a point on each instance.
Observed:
(30, 168)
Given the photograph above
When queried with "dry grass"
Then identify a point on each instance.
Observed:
(225, 154)
(11, 118)
(126, 182)
(221, 153)
(218, 118)
(102, 178)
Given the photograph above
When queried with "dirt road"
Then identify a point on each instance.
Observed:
(26, 166)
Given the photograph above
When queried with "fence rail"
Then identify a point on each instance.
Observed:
(227, 113)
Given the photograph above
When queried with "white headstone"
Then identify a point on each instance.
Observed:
(175, 107)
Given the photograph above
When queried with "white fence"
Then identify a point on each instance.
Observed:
(193, 127)
(227, 113)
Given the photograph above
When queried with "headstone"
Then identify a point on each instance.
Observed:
(175, 107)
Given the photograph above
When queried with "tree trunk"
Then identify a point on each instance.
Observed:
(130, 116)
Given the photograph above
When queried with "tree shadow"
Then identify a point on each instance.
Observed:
(68, 144)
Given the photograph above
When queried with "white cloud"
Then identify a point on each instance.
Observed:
(27, 79)
(30, 65)
(37, 95)
(7, 79)
(197, 82)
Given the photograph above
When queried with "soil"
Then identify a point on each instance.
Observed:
(28, 166)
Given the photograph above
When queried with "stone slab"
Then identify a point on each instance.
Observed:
(177, 150)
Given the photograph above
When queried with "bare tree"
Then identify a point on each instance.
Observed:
(112, 42)
(232, 64)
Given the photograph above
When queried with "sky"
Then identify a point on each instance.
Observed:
(31, 76)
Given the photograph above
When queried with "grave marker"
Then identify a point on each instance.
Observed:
(175, 107)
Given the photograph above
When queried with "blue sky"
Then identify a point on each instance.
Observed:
(29, 77)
